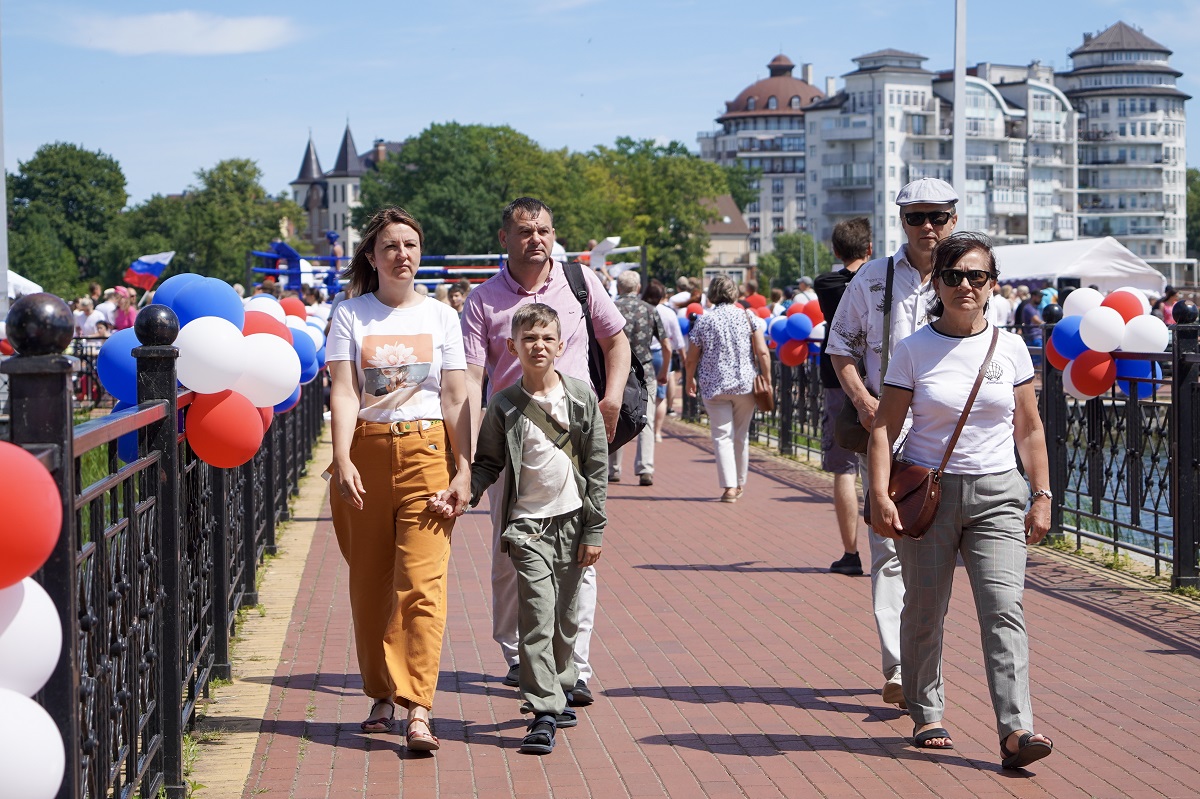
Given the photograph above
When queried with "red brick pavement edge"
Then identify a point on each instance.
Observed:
(730, 663)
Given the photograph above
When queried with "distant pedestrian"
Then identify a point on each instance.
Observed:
(643, 328)
(663, 354)
(724, 345)
(804, 290)
(126, 312)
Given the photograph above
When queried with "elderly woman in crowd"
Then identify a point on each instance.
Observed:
(725, 343)
(983, 515)
(401, 467)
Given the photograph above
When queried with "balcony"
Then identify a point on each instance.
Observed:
(842, 159)
(855, 182)
(848, 128)
(853, 208)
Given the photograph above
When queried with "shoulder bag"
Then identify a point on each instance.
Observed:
(636, 396)
(848, 432)
(917, 490)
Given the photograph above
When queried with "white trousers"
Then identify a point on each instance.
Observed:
(504, 595)
(643, 462)
(887, 587)
(729, 417)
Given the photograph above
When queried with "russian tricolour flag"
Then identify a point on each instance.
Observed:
(145, 271)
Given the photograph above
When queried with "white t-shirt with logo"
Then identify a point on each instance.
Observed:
(547, 486)
(940, 370)
(398, 353)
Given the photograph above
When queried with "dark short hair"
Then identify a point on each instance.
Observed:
(532, 315)
(852, 238)
(527, 207)
(363, 278)
(654, 292)
(950, 251)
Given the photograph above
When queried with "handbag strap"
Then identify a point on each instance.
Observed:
(962, 419)
(887, 320)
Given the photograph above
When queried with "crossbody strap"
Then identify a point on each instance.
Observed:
(962, 419)
(887, 321)
(558, 435)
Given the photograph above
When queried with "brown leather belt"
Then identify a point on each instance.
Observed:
(397, 428)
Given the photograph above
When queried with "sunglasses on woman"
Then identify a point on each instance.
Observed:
(976, 278)
(936, 218)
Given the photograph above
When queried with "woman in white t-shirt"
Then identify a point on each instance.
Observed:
(401, 467)
(983, 515)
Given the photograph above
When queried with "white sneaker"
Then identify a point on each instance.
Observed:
(893, 692)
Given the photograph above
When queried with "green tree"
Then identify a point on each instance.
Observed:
(792, 259)
(63, 204)
(1193, 211)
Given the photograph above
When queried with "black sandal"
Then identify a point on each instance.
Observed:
(540, 738)
(381, 724)
(1028, 751)
(921, 740)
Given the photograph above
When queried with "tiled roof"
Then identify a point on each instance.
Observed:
(1118, 37)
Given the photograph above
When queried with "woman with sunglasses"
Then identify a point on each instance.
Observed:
(983, 515)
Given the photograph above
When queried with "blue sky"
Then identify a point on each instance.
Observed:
(168, 88)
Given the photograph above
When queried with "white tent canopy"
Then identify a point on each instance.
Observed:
(20, 286)
(1104, 262)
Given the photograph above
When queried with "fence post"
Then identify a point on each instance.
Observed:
(156, 328)
(221, 669)
(252, 512)
(40, 326)
(787, 410)
(1185, 486)
(1054, 419)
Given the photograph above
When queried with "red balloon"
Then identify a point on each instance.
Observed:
(268, 416)
(795, 307)
(757, 301)
(6, 348)
(1094, 372)
(813, 311)
(695, 309)
(32, 514)
(294, 306)
(259, 322)
(793, 353)
(1123, 303)
(1054, 357)
(225, 429)
(762, 312)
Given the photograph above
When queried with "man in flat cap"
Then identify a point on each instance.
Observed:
(857, 335)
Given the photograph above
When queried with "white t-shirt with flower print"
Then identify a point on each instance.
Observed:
(399, 355)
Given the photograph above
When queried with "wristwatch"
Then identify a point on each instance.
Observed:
(1043, 493)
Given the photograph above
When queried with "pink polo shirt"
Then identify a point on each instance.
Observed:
(487, 322)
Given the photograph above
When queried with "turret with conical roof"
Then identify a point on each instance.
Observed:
(348, 162)
(310, 167)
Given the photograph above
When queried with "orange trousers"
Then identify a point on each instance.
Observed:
(398, 553)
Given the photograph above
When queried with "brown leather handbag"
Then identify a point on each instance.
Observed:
(764, 398)
(917, 490)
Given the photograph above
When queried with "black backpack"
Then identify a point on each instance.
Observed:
(636, 396)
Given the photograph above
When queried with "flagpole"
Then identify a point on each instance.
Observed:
(3, 215)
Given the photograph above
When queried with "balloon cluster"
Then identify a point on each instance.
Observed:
(758, 305)
(32, 757)
(245, 362)
(1095, 326)
(798, 333)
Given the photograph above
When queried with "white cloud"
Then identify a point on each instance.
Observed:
(180, 33)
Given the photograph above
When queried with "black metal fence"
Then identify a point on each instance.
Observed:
(155, 558)
(1124, 468)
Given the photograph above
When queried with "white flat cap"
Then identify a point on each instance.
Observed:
(927, 190)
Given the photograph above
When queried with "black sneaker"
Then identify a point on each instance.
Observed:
(539, 740)
(614, 478)
(646, 479)
(580, 696)
(850, 563)
(512, 679)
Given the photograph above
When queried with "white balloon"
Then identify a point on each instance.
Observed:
(272, 370)
(295, 322)
(1145, 334)
(1141, 295)
(1069, 385)
(210, 355)
(268, 305)
(1080, 301)
(1102, 329)
(30, 637)
(32, 758)
(818, 333)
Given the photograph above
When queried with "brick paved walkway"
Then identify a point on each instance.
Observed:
(729, 662)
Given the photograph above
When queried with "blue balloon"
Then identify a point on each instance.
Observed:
(1066, 338)
(307, 352)
(799, 326)
(116, 366)
(127, 445)
(814, 349)
(684, 325)
(209, 297)
(170, 288)
(779, 331)
(321, 358)
(1137, 369)
(288, 403)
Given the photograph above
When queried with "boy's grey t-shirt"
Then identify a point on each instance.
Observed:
(547, 486)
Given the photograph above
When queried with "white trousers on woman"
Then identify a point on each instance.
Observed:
(729, 417)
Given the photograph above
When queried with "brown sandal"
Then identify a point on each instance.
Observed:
(377, 723)
(418, 741)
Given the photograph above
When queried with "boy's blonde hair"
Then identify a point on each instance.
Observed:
(532, 315)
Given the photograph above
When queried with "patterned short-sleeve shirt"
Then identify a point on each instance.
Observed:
(726, 356)
(642, 326)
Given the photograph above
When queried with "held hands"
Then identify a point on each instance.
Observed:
(610, 411)
(1037, 520)
(885, 520)
(452, 502)
(588, 556)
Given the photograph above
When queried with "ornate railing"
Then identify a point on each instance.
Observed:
(154, 560)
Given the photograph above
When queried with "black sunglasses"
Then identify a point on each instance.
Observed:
(976, 278)
(937, 218)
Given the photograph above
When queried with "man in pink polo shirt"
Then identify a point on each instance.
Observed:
(532, 275)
